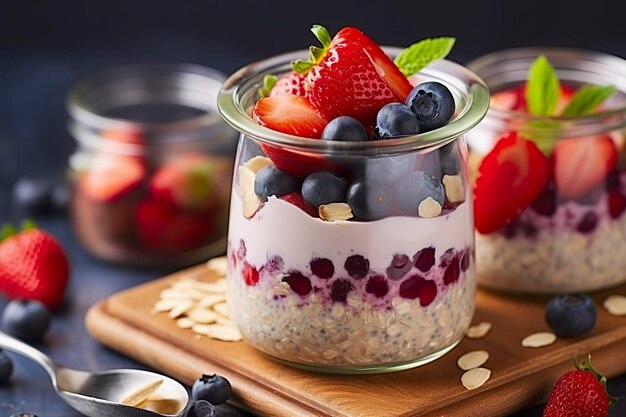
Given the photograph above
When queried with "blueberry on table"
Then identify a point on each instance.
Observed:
(571, 315)
(32, 195)
(201, 408)
(345, 128)
(6, 368)
(432, 103)
(395, 119)
(212, 388)
(271, 181)
(26, 319)
(324, 187)
(416, 187)
(368, 199)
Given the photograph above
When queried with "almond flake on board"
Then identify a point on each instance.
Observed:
(475, 378)
(142, 393)
(615, 305)
(210, 300)
(181, 308)
(215, 287)
(222, 310)
(202, 315)
(218, 265)
(473, 359)
(537, 340)
(185, 323)
(429, 208)
(479, 331)
(335, 211)
(257, 163)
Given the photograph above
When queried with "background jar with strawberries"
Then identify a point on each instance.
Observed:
(151, 173)
(549, 165)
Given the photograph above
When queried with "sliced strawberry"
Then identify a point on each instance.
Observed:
(110, 177)
(297, 200)
(617, 204)
(514, 98)
(289, 114)
(510, 178)
(290, 84)
(582, 163)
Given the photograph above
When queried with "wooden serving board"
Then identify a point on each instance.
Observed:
(521, 377)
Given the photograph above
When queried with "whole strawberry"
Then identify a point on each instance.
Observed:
(33, 266)
(579, 393)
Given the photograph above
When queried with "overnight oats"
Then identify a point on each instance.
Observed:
(550, 171)
(351, 244)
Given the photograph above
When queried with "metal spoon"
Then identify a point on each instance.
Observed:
(98, 394)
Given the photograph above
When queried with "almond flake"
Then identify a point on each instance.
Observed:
(335, 211)
(185, 323)
(215, 287)
(429, 208)
(141, 394)
(181, 308)
(257, 163)
(163, 306)
(202, 316)
(472, 359)
(174, 294)
(246, 180)
(251, 204)
(224, 333)
(540, 339)
(218, 265)
(453, 185)
(210, 300)
(222, 309)
(479, 331)
(475, 378)
(616, 305)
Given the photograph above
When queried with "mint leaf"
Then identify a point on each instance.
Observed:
(422, 53)
(543, 87)
(587, 98)
(269, 81)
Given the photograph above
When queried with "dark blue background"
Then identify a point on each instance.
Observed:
(46, 46)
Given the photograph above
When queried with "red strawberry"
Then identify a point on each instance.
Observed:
(352, 76)
(582, 163)
(130, 136)
(110, 177)
(514, 98)
(297, 200)
(617, 204)
(579, 393)
(290, 84)
(510, 178)
(33, 266)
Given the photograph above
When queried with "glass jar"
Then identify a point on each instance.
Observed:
(151, 174)
(569, 239)
(318, 290)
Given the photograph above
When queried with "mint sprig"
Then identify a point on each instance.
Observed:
(422, 53)
(587, 99)
(269, 81)
(543, 87)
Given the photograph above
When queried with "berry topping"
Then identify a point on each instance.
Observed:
(322, 267)
(511, 177)
(546, 203)
(242, 250)
(453, 270)
(289, 114)
(357, 266)
(582, 163)
(6, 368)
(450, 159)
(324, 188)
(250, 274)
(416, 187)
(297, 200)
(201, 408)
(617, 204)
(345, 128)
(26, 319)
(571, 315)
(368, 199)
(424, 259)
(395, 119)
(417, 287)
(274, 264)
(588, 223)
(212, 388)
(399, 267)
(377, 285)
(339, 290)
(433, 104)
(290, 84)
(300, 284)
(272, 181)
(465, 260)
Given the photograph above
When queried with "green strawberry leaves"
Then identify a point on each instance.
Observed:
(587, 99)
(543, 88)
(8, 230)
(315, 52)
(422, 53)
(269, 81)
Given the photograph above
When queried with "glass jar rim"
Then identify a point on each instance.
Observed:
(248, 78)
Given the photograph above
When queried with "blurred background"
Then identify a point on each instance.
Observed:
(46, 46)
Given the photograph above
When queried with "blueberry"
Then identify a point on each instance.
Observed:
(201, 408)
(212, 388)
(23, 415)
(368, 199)
(26, 319)
(273, 181)
(6, 367)
(450, 159)
(389, 168)
(345, 128)
(395, 119)
(433, 105)
(571, 315)
(323, 188)
(416, 187)
(32, 195)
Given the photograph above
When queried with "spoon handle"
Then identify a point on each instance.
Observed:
(21, 348)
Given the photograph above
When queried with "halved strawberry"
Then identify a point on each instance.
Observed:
(297, 200)
(110, 177)
(510, 178)
(290, 84)
(582, 163)
(514, 98)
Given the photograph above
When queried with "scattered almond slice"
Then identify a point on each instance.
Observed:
(183, 284)
(211, 300)
(246, 179)
(429, 208)
(475, 378)
(472, 359)
(335, 211)
(217, 287)
(257, 163)
(251, 204)
(202, 316)
(141, 394)
(479, 331)
(174, 294)
(224, 333)
(218, 265)
(537, 340)
(185, 323)
(453, 185)
(615, 304)
(163, 306)
(181, 308)
(222, 310)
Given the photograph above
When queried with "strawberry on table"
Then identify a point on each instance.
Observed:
(33, 266)
(111, 176)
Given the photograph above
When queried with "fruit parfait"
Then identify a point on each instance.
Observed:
(151, 175)
(550, 171)
(350, 240)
